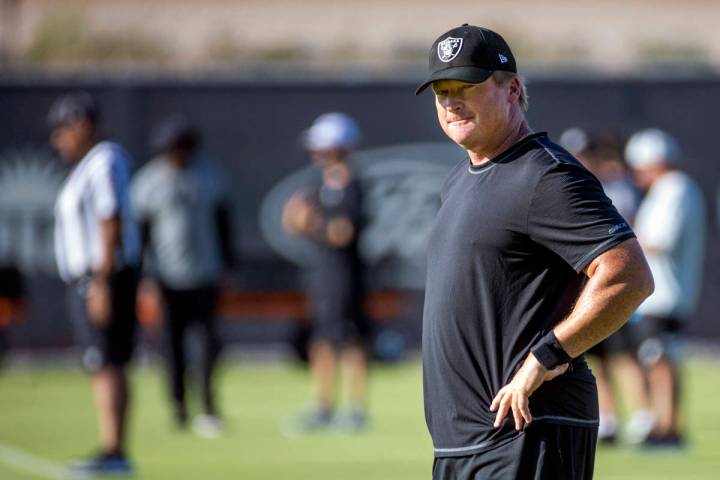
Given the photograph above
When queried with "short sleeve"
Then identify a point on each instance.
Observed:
(104, 179)
(664, 217)
(570, 215)
(139, 196)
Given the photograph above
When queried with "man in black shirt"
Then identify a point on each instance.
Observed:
(330, 214)
(529, 265)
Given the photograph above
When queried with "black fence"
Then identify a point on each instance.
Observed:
(252, 129)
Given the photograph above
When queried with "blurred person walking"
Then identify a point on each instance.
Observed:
(12, 301)
(529, 265)
(97, 246)
(331, 215)
(670, 226)
(184, 214)
(601, 154)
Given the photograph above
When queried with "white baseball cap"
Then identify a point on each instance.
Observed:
(332, 130)
(575, 140)
(651, 147)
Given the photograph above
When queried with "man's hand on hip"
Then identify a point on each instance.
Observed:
(515, 395)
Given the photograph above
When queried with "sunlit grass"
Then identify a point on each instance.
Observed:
(48, 412)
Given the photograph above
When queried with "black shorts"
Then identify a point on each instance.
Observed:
(112, 344)
(658, 337)
(336, 301)
(623, 341)
(543, 452)
(338, 317)
(193, 305)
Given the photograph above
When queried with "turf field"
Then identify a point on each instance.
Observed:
(47, 418)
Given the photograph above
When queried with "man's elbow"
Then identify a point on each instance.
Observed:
(644, 282)
(641, 279)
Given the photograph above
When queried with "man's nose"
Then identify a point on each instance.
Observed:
(452, 103)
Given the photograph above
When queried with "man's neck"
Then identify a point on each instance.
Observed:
(86, 149)
(513, 136)
(179, 162)
(662, 172)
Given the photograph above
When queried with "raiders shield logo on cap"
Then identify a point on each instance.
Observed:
(449, 48)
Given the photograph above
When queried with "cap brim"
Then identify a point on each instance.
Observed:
(463, 74)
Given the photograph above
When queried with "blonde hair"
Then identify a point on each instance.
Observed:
(502, 77)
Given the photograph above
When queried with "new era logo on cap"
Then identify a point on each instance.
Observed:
(503, 58)
(449, 48)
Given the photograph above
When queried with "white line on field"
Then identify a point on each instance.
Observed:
(29, 463)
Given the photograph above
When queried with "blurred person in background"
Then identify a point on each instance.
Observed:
(97, 246)
(670, 226)
(12, 301)
(331, 215)
(183, 210)
(601, 154)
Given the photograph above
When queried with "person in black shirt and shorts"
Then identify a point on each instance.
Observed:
(529, 265)
(330, 214)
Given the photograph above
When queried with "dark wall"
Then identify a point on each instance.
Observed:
(253, 129)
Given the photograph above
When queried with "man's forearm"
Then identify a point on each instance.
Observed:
(110, 239)
(619, 281)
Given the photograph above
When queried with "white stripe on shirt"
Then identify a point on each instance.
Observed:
(96, 189)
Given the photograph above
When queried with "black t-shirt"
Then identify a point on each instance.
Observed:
(340, 267)
(505, 263)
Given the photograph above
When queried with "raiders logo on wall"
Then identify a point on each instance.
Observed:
(401, 185)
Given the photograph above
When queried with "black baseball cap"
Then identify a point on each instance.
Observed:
(469, 54)
(71, 107)
(174, 131)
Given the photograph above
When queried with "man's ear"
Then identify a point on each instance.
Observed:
(84, 125)
(514, 88)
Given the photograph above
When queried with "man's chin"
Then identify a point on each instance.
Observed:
(465, 142)
(463, 137)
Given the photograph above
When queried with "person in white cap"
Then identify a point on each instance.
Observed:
(331, 215)
(614, 356)
(670, 226)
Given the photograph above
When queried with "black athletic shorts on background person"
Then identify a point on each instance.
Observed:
(336, 297)
(623, 341)
(543, 452)
(114, 343)
(658, 337)
(184, 307)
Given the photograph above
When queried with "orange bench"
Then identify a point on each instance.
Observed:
(381, 306)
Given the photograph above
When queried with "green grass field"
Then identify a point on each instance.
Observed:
(48, 413)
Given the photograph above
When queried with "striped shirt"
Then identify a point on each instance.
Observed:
(96, 190)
